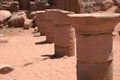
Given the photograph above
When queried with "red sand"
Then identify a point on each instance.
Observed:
(26, 57)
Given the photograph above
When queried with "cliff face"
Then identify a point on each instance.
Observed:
(78, 6)
(7, 0)
(84, 6)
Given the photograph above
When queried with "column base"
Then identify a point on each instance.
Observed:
(94, 71)
(49, 39)
(42, 34)
(64, 51)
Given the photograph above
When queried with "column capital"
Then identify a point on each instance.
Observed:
(94, 23)
(40, 15)
(61, 17)
(50, 14)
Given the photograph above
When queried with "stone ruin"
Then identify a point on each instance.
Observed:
(90, 35)
(66, 29)
(80, 6)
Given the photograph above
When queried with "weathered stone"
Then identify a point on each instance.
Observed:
(64, 40)
(49, 17)
(69, 5)
(3, 38)
(40, 5)
(24, 4)
(17, 19)
(4, 14)
(1, 24)
(32, 15)
(64, 35)
(14, 6)
(117, 10)
(93, 71)
(117, 30)
(33, 6)
(94, 44)
(106, 5)
(27, 24)
(40, 22)
(94, 48)
(81, 6)
(88, 23)
(4, 69)
(117, 2)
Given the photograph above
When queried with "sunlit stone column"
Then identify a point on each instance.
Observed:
(94, 45)
(64, 35)
(40, 22)
(49, 17)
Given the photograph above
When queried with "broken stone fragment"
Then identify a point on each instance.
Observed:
(3, 38)
(116, 2)
(17, 19)
(27, 23)
(4, 69)
(117, 9)
(4, 14)
(117, 30)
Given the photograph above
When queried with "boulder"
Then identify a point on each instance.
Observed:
(17, 19)
(4, 14)
(27, 23)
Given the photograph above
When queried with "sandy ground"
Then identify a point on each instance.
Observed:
(27, 52)
(30, 56)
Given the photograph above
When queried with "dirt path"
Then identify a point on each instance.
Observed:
(30, 56)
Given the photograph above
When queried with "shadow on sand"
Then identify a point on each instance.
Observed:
(51, 57)
(42, 42)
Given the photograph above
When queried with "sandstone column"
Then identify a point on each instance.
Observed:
(49, 17)
(69, 5)
(64, 35)
(94, 45)
(40, 22)
(24, 4)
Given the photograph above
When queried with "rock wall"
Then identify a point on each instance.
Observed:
(81, 6)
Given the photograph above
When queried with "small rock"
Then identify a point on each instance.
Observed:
(4, 69)
(27, 24)
(106, 5)
(116, 31)
(117, 2)
(3, 38)
(117, 10)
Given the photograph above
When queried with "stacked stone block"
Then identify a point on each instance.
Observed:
(64, 35)
(94, 45)
(40, 22)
